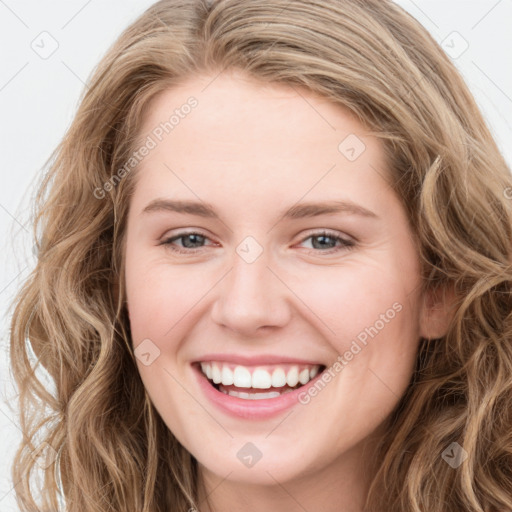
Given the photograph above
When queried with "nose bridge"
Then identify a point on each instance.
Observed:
(250, 296)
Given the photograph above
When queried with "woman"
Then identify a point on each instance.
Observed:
(263, 369)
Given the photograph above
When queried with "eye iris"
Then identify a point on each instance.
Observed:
(322, 246)
(198, 239)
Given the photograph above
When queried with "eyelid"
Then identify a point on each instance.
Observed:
(166, 239)
(328, 232)
(347, 242)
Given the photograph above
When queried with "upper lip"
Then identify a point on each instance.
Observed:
(261, 359)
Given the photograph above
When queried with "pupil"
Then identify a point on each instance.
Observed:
(321, 237)
(191, 236)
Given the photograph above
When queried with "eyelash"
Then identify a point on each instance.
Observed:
(346, 244)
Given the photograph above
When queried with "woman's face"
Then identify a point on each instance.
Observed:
(265, 244)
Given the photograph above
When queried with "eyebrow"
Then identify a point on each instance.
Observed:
(297, 211)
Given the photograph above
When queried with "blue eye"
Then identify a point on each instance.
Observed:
(326, 238)
(192, 242)
(188, 239)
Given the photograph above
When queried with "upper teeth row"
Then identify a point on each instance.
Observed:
(260, 378)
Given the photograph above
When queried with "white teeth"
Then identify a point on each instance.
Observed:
(216, 375)
(292, 377)
(278, 378)
(252, 396)
(242, 377)
(207, 369)
(304, 376)
(260, 378)
(227, 376)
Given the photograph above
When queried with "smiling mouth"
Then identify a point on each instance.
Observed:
(258, 382)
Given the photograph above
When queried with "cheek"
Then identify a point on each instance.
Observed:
(369, 316)
(159, 298)
(348, 299)
(159, 295)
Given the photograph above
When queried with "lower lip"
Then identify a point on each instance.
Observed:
(250, 409)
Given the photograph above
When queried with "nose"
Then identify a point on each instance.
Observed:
(250, 297)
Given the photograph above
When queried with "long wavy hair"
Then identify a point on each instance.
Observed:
(103, 445)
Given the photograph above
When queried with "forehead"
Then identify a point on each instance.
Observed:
(241, 113)
(257, 140)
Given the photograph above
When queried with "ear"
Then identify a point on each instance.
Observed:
(437, 311)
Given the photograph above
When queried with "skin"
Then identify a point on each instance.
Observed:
(252, 150)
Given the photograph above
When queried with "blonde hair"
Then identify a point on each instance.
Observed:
(114, 450)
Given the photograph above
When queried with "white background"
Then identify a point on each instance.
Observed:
(38, 98)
